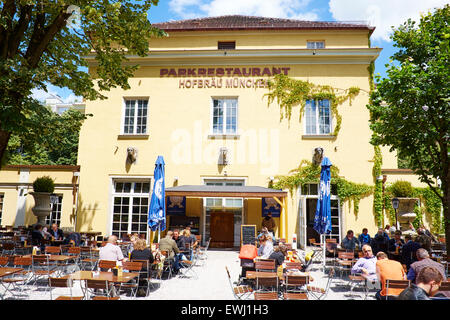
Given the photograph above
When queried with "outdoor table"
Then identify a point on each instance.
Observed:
(102, 275)
(7, 271)
(264, 274)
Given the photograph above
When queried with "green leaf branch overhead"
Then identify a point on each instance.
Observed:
(289, 92)
(307, 173)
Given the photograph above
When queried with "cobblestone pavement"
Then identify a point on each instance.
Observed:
(212, 283)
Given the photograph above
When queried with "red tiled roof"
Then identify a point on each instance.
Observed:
(239, 22)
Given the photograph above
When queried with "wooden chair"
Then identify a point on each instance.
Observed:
(132, 285)
(62, 283)
(345, 261)
(42, 267)
(445, 286)
(88, 258)
(396, 284)
(296, 283)
(4, 260)
(295, 296)
(240, 292)
(9, 248)
(94, 287)
(105, 265)
(320, 293)
(18, 281)
(266, 295)
(105, 298)
(267, 283)
(293, 266)
(265, 265)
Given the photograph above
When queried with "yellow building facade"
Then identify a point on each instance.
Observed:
(198, 99)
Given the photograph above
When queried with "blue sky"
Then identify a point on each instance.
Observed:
(379, 13)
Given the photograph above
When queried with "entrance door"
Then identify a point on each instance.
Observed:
(222, 229)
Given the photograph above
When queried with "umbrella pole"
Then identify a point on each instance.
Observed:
(322, 236)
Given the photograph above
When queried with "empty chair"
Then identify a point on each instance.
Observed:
(62, 283)
(320, 293)
(95, 287)
(267, 283)
(266, 295)
(88, 257)
(52, 250)
(295, 296)
(240, 292)
(42, 267)
(132, 285)
(293, 266)
(9, 248)
(296, 283)
(4, 260)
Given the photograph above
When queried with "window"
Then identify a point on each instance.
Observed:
(55, 215)
(130, 207)
(226, 45)
(135, 116)
(317, 117)
(315, 44)
(2, 196)
(224, 116)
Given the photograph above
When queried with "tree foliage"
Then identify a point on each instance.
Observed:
(410, 108)
(38, 46)
(52, 140)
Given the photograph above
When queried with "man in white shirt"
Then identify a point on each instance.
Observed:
(111, 251)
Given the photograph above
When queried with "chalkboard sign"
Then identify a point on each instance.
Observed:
(248, 234)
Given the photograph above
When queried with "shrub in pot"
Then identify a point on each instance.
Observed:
(44, 184)
(402, 189)
(43, 187)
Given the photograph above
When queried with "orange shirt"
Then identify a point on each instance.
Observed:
(390, 269)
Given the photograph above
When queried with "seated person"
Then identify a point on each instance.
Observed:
(168, 244)
(37, 237)
(265, 232)
(396, 241)
(111, 251)
(278, 254)
(366, 265)
(56, 233)
(380, 242)
(178, 239)
(349, 242)
(388, 269)
(427, 285)
(265, 247)
(74, 238)
(364, 237)
(409, 251)
(141, 252)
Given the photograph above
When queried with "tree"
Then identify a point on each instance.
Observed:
(41, 43)
(52, 140)
(410, 108)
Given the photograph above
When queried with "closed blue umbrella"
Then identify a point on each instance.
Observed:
(157, 210)
(322, 219)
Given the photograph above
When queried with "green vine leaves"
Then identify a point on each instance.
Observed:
(289, 92)
(307, 173)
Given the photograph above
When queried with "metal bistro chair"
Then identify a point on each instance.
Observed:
(167, 264)
(266, 295)
(105, 265)
(396, 284)
(345, 261)
(241, 292)
(320, 293)
(94, 288)
(296, 283)
(132, 285)
(265, 265)
(89, 258)
(62, 283)
(42, 268)
(18, 281)
(202, 253)
(264, 284)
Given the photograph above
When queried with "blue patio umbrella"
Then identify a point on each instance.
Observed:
(157, 210)
(322, 219)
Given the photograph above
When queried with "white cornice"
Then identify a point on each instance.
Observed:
(253, 57)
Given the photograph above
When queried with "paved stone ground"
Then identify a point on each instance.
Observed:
(212, 283)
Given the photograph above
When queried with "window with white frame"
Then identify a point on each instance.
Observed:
(317, 117)
(55, 215)
(224, 115)
(315, 44)
(135, 116)
(130, 207)
(2, 196)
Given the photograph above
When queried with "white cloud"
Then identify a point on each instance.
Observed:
(292, 9)
(383, 14)
(41, 95)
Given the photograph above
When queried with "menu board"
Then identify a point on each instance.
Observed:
(248, 234)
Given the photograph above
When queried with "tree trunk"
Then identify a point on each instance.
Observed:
(4, 138)
(446, 205)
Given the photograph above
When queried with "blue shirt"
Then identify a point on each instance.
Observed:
(364, 238)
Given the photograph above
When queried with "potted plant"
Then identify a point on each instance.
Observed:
(43, 187)
(404, 192)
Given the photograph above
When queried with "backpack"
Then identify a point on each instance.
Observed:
(248, 251)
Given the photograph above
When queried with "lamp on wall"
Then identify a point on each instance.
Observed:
(395, 204)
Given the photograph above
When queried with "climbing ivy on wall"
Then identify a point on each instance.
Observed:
(290, 92)
(307, 173)
(378, 190)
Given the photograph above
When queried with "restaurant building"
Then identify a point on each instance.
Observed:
(198, 99)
